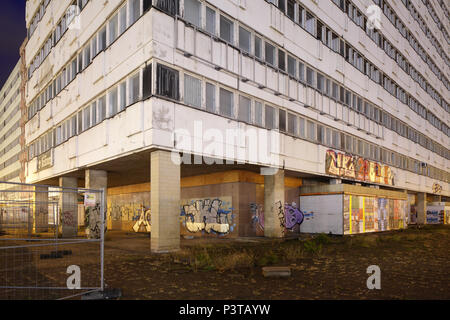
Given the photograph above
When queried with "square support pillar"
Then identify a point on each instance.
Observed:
(274, 205)
(165, 202)
(95, 180)
(68, 207)
(421, 208)
(40, 213)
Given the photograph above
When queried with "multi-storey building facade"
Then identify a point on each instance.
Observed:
(114, 87)
(10, 131)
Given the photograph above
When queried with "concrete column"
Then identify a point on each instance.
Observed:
(274, 205)
(40, 213)
(68, 207)
(96, 180)
(421, 208)
(165, 202)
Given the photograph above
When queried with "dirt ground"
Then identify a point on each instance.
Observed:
(414, 263)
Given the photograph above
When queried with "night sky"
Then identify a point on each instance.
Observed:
(12, 35)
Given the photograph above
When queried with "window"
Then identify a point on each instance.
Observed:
(301, 70)
(122, 19)
(113, 28)
(311, 128)
(210, 97)
(258, 45)
(94, 46)
(102, 40)
(310, 24)
(258, 113)
(291, 9)
(134, 89)
(147, 82)
(270, 117)
(167, 82)
(226, 29)
(281, 60)
(320, 82)
(192, 12)
(320, 133)
(210, 20)
(226, 103)
(94, 113)
(192, 91)
(292, 67)
(113, 98)
(282, 120)
(87, 118)
(244, 109)
(244, 39)
(310, 76)
(292, 124)
(122, 95)
(270, 54)
(101, 104)
(169, 6)
(302, 128)
(87, 56)
(135, 10)
(80, 122)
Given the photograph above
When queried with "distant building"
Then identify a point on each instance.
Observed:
(10, 130)
(114, 87)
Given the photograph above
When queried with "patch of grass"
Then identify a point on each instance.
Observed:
(322, 239)
(268, 258)
(312, 247)
(234, 260)
(293, 252)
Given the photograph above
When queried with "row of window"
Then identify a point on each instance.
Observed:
(295, 68)
(11, 115)
(9, 87)
(61, 27)
(210, 96)
(11, 176)
(37, 17)
(193, 92)
(14, 143)
(10, 161)
(443, 6)
(112, 29)
(436, 19)
(10, 102)
(278, 58)
(415, 14)
(10, 131)
(350, 9)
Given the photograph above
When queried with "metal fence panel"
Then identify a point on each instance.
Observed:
(46, 252)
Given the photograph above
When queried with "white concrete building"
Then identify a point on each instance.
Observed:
(115, 86)
(10, 130)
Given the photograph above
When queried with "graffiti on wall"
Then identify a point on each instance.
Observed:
(257, 213)
(348, 166)
(145, 221)
(208, 215)
(93, 222)
(289, 216)
(436, 188)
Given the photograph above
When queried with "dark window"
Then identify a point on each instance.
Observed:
(282, 120)
(281, 60)
(147, 82)
(167, 82)
(169, 6)
(291, 9)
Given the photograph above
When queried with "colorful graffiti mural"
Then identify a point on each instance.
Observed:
(289, 215)
(369, 214)
(208, 215)
(353, 167)
(144, 224)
